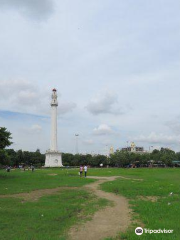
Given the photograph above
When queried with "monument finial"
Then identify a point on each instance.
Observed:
(54, 101)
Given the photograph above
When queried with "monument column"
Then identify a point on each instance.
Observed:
(53, 157)
(54, 105)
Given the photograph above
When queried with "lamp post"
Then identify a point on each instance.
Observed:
(150, 147)
(77, 148)
(107, 150)
(127, 145)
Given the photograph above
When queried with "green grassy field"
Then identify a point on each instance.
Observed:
(51, 216)
(163, 212)
(18, 181)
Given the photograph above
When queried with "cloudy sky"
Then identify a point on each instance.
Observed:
(115, 64)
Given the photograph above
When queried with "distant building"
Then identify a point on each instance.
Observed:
(134, 148)
(111, 150)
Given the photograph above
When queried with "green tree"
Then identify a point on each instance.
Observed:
(12, 157)
(5, 137)
(4, 158)
(68, 159)
(20, 156)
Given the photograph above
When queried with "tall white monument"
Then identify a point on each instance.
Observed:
(53, 156)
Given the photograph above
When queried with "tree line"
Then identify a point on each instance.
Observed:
(10, 157)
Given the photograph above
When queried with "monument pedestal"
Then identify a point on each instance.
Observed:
(53, 159)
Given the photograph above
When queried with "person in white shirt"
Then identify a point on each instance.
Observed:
(85, 170)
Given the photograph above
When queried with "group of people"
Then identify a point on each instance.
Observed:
(28, 168)
(81, 169)
(8, 168)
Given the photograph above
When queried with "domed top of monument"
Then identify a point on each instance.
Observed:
(54, 101)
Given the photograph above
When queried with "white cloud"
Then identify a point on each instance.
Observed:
(65, 107)
(174, 126)
(18, 95)
(36, 128)
(36, 9)
(27, 97)
(103, 129)
(104, 103)
(88, 141)
(8, 87)
(23, 96)
(161, 138)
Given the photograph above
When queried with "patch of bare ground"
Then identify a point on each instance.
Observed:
(148, 198)
(52, 174)
(36, 194)
(115, 177)
(106, 222)
(134, 179)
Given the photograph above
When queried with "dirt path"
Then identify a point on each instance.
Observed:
(106, 222)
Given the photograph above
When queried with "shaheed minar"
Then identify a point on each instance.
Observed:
(53, 157)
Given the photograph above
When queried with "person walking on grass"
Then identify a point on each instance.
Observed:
(85, 170)
(81, 170)
(8, 169)
(32, 168)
